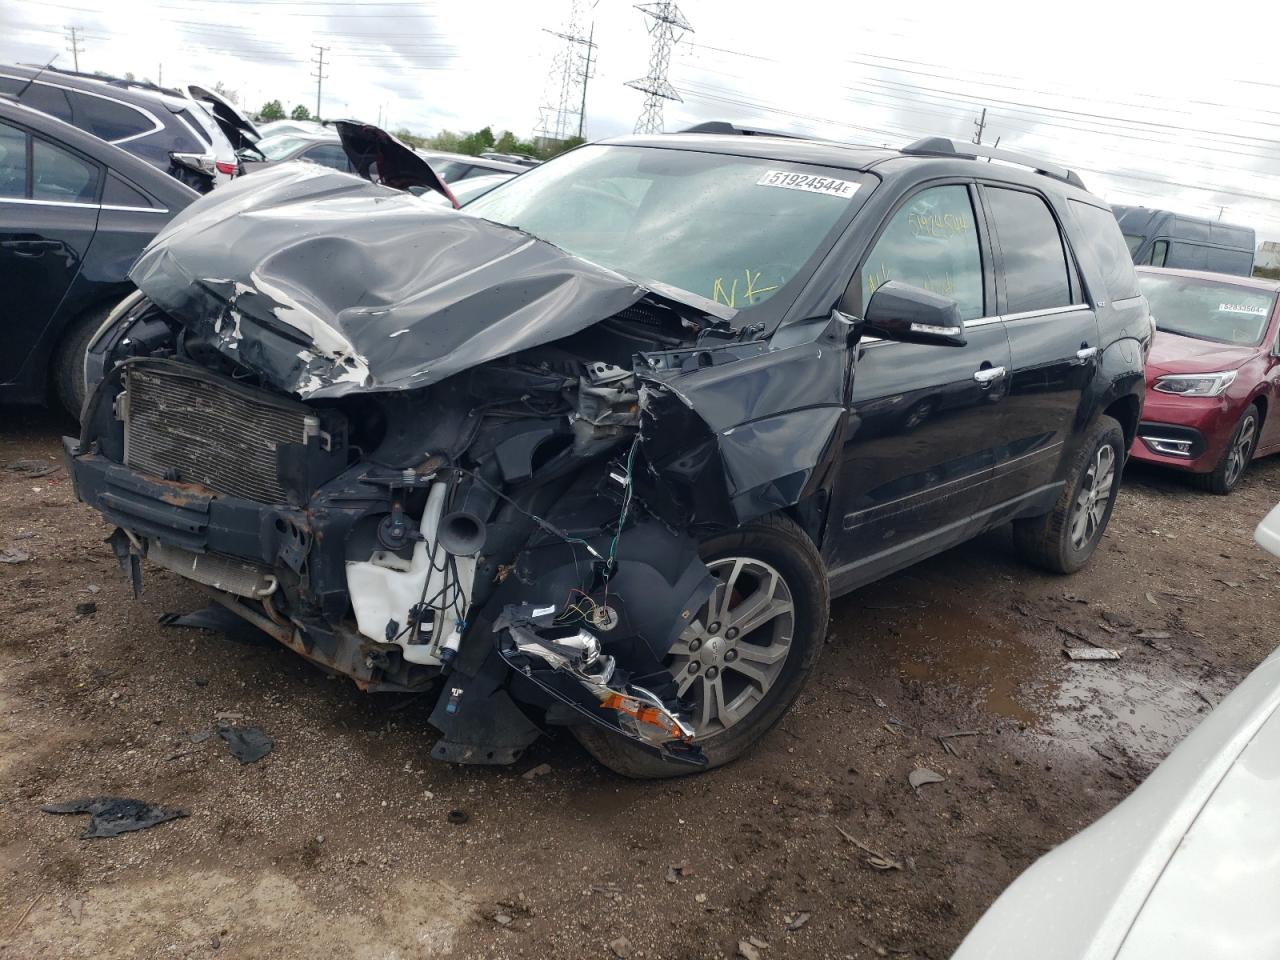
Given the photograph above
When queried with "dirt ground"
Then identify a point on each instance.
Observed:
(340, 843)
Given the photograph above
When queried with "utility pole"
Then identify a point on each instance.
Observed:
(160, 76)
(586, 75)
(319, 74)
(561, 98)
(979, 125)
(74, 47)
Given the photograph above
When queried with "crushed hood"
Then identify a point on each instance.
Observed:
(326, 285)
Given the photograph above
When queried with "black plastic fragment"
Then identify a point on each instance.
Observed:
(112, 816)
(218, 618)
(247, 744)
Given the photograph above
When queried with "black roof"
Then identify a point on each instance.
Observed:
(164, 188)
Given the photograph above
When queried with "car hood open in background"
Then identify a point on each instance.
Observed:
(237, 128)
(327, 285)
(397, 165)
(1174, 353)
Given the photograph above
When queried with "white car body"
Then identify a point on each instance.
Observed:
(1186, 868)
(1268, 532)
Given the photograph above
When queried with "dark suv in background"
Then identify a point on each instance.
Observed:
(166, 127)
(599, 449)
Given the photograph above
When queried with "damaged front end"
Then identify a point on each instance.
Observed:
(430, 452)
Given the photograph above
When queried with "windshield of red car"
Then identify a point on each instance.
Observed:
(732, 229)
(1208, 309)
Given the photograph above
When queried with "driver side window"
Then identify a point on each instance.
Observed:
(932, 243)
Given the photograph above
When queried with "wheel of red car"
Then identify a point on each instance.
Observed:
(1063, 540)
(1225, 477)
(746, 655)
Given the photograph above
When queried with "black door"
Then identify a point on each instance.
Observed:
(48, 215)
(1053, 336)
(924, 420)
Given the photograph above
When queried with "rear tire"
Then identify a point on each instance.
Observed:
(68, 359)
(1226, 476)
(1063, 540)
(773, 544)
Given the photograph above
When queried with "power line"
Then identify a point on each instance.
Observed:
(561, 112)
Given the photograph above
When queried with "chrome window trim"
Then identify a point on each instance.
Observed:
(1048, 312)
(84, 206)
(1125, 301)
(156, 124)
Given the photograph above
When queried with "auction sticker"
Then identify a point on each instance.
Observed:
(809, 183)
(1242, 308)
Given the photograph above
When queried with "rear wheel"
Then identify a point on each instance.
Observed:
(1063, 540)
(1225, 477)
(745, 656)
(68, 360)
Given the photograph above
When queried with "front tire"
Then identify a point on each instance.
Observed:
(746, 656)
(1063, 540)
(1226, 476)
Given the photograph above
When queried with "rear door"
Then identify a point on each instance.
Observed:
(48, 215)
(1053, 339)
(925, 421)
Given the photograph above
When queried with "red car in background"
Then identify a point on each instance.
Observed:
(1213, 401)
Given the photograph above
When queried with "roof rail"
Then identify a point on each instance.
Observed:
(724, 126)
(111, 80)
(944, 147)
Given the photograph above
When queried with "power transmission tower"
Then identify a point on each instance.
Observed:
(563, 105)
(75, 48)
(979, 125)
(319, 74)
(667, 25)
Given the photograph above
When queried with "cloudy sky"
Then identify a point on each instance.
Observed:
(1176, 106)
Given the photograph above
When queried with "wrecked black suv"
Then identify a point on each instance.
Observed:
(598, 450)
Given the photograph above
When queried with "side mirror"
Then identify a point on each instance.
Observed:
(899, 311)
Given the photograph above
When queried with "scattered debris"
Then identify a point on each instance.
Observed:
(1151, 599)
(798, 920)
(1091, 653)
(1234, 584)
(945, 739)
(502, 919)
(200, 736)
(610, 891)
(112, 816)
(1072, 598)
(699, 898)
(247, 744)
(228, 715)
(874, 947)
(202, 681)
(678, 870)
(874, 858)
(33, 468)
(921, 776)
(748, 950)
(1153, 638)
(621, 948)
(459, 817)
(30, 906)
(86, 609)
(14, 555)
(541, 770)
(76, 906)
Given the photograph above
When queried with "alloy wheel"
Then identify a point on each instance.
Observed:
(732, 654)
(1241, 448)
(1095, 494)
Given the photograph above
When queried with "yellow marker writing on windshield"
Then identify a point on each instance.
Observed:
(749, 294)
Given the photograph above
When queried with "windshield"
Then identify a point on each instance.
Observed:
(1134, 241)
(280, 145)
(1208, 310)
(731, 229)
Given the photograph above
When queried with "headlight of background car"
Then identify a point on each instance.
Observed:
(1196, 384)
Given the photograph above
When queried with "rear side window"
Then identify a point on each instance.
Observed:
(1102, 238)
(327, 155)
(1159, 253)
(13, 162)
(1036, 273)
(108, 119)
(190, 120)
(118, 193)
(59, 175)
(931, 243)
(1239, 262)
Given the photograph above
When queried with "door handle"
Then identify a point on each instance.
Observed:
(1086, 353)
(30, 248)
(988, 375)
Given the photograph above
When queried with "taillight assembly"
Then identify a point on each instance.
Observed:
(228, 168)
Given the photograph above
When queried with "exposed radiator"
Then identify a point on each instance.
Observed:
(195, 428)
